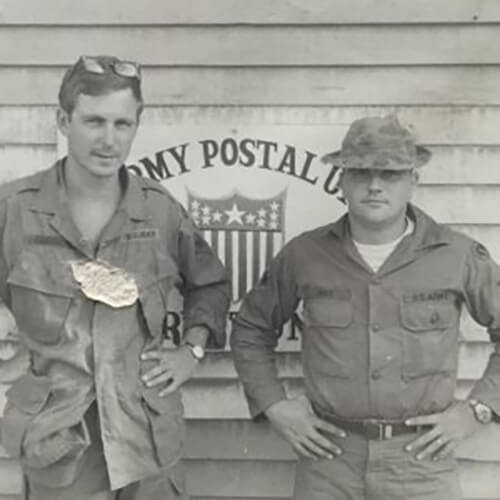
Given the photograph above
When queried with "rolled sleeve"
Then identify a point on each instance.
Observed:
(256, 329)
(482, 291)
(206, 288)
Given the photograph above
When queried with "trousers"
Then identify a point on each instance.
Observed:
(92, 482)
(377, 470)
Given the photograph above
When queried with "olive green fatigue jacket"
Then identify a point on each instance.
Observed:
(84, 350)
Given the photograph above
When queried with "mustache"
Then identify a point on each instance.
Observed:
(377, 200)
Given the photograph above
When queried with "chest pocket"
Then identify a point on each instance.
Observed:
(430, 338)
(328, 341)
(325, 312)
(41, 292)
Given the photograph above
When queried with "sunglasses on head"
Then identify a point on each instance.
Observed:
(127, 69)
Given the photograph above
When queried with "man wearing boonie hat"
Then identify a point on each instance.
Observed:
(380, 293)
(89, 257)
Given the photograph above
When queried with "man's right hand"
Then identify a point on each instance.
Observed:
(296, 421)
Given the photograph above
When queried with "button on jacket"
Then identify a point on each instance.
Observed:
(375, 344)
(84, 350)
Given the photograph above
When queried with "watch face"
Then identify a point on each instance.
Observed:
(482, 412)
(198, 351)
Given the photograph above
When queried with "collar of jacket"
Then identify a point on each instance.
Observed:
(50, 184)
(428, 233)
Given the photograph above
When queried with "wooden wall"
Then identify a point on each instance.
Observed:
(314, 62)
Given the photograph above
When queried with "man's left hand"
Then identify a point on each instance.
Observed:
(175, 366)
(450, 428)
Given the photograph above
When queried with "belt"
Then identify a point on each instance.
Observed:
(373, 429)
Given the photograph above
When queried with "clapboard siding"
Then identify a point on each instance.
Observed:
(436, 125)
(318, 86)
(153, 12)
(256, 45)
(464, 204)
(27, 125)
(18, 161)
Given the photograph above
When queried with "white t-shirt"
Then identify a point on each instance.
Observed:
(376, 255)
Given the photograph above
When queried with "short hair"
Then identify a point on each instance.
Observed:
(79, 80)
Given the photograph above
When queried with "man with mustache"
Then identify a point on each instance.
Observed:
(380, 293)
(90, 255)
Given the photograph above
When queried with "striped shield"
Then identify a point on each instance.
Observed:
(245, 233)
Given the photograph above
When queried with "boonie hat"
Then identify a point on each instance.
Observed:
(379, 143)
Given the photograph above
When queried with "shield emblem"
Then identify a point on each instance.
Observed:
(244, 232)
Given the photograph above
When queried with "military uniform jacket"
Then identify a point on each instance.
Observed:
(375, 344)
(83, 350)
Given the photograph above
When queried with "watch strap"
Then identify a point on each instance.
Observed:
(197, 351)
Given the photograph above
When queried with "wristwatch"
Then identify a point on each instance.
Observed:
(482, 412)
(196, 350)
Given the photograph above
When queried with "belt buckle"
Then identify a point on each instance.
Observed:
(382, 432)
(385, 431)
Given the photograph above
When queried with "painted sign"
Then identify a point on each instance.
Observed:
(248, 189)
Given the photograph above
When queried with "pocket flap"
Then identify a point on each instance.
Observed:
(427, 317)
(32, 272)
(328, 312)
(30, 393)
(25, 398)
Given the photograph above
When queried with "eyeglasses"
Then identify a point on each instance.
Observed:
(127, 69)
(364, 175)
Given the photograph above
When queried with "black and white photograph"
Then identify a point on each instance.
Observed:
(249, 250)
